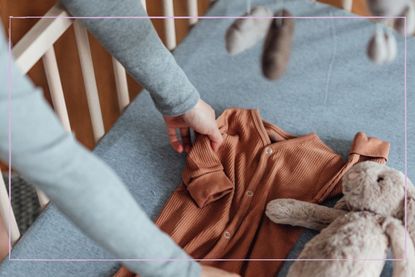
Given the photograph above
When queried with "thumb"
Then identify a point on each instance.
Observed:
(215, 138)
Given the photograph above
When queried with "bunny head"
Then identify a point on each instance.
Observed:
(370, 186)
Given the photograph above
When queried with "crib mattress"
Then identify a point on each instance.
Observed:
(330, 88)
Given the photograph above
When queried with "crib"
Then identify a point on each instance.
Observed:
(38, 44)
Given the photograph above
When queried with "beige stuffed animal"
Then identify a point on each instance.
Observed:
(357, 232)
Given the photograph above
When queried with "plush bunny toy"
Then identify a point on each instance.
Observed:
(356, 233)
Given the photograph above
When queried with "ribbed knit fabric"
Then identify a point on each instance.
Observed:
(217, 214)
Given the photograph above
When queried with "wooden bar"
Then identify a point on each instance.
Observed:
(6, 212)
(121, 84)
(144, 3)
(90, 83)
(347, 5)
(193, 11)
(55, 87)
(168, 10)
(43, 199)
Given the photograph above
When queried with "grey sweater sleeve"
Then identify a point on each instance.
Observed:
(137, 46)
(83, 187)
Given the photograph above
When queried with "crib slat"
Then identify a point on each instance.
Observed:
(6, 212)
(43, 199)
(55, 87)
(56, 92)
(88, 74)
(193, 12)
(347, 5)
(168, 10)
(144, 3)
(121, 84)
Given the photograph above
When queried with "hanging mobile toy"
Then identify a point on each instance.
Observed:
(409, 13)
(278, 44)
(244, 33)
(386, 7)
(382, 47)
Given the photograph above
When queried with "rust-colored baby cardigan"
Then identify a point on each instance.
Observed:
(217, 214)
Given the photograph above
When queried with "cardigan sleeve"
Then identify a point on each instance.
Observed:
(81, 185)
(203, 175)
(136, 45)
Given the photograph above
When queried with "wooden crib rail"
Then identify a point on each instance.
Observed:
(40, 38)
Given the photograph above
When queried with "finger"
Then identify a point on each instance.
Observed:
(174, 140)
(175, 121)
(185, 134)
(124, 272)
(216, 139)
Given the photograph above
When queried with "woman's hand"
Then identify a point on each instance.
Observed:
(201, 119)
(208, 271)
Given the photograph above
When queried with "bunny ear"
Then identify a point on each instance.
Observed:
(410, 209)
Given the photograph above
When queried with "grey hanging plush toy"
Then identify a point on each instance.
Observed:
(244, 33)
(409, 13)
(386, 7)
(382, 46)
(277, 46)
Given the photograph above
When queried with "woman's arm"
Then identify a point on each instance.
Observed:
(83, 187)
(136, 45)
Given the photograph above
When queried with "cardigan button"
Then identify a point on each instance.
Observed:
(249, 193)
(227, 235)
(268, 150)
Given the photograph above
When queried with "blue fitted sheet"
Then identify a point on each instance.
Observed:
(330, 88)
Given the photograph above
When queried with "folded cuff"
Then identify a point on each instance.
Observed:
(209, 187)
(179, 108)
(370, 146)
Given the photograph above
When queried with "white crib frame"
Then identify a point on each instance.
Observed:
(38, 44)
